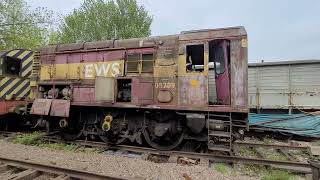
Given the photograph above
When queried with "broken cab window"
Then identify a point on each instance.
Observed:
(147, 63)
(219, 58)
(133, 63)
(11, 66)
(195, 58)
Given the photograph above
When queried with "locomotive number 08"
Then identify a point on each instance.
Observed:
(165, 85)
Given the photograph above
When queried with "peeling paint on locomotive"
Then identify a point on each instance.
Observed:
(156, 86)
(174, 86)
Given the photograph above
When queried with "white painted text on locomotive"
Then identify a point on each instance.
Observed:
(105, 70)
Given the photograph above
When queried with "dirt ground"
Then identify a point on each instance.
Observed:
(113, 165)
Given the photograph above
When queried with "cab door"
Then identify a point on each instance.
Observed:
(219, 50)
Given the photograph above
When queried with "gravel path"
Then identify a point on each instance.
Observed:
(111, 164)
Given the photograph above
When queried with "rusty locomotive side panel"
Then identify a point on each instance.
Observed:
(239, 73)
(166, 84)
(155, 87)
(193, 91)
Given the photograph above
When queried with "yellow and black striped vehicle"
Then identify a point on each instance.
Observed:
(15, 72)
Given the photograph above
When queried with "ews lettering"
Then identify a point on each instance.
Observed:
(104, 70)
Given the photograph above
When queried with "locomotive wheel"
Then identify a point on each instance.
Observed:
(104, 138)
(71, 134)
(163, 144)
(102, 135)
(74, 129)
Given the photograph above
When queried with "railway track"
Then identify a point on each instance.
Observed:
(275, 146)
(12, 169)
(7, 134)
(205, 158)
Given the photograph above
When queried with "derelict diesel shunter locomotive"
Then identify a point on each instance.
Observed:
(155, 89)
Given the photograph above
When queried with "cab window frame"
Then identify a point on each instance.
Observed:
(191, 66)
(133, 61)
(140, 62)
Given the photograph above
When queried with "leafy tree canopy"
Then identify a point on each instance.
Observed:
(104, 19)
(21, 27)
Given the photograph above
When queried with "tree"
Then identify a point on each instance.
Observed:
(100, 20)
(21, 27)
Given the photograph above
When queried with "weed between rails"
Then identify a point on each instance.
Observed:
(34, 139)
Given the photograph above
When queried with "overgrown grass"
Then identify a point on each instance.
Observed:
(246, 151)
(28, 139)
(34, 140)
(57, 146)
(253, 169)
(267, 173)
(222, 168)
(277, 157)
(278, 175)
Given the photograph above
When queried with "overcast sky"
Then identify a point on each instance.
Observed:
(277, 29)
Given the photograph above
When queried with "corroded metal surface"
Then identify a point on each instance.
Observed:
(41, 106)
(142, 91)
(83, 94)
(169, 85)
(9, 106)
(193, 91)
(104, 89)
(239, 73)
(60, 108)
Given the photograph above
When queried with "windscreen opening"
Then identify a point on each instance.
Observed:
(11, 66)
(195, 58)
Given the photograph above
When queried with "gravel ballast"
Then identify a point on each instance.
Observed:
(113, 165)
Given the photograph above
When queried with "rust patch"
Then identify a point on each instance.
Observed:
(166, 90)
(142, 91)
(9, 106)
(193, 90)
(60, 108)
(164, 96)
(83, 94)
(41, 106)
(165, 71)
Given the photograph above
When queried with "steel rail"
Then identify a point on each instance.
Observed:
(277, 146)
(212, 157)
(56, 170)
(7, 133)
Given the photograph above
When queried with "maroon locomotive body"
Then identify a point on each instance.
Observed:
(166, 90)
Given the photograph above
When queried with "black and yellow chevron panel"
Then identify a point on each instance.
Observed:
(16, 86)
